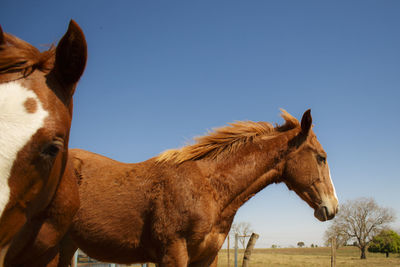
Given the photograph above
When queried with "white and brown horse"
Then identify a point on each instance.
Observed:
(176, 209)
(36, 91)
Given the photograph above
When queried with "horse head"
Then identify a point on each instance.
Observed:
(307, 172)
(36, 91)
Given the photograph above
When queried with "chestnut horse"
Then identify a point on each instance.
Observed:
(177, 208)
(36, 91)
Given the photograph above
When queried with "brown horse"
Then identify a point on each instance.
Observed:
(176, 209)
(36, 91)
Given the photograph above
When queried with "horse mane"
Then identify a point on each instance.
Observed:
(227, 139)
(18, 55)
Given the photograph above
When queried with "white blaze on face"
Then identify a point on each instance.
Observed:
(333, 186)
(21, 116)
(330, 201)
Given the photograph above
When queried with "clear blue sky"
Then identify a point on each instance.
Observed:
(162, 72)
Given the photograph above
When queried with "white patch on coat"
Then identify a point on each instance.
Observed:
(17, 126)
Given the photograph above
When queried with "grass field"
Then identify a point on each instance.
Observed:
(308, 257)
(300, 257)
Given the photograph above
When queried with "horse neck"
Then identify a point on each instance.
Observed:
(241, 175)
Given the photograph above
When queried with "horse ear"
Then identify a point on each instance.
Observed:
(2, 39)
(71, 55)
(306, 122)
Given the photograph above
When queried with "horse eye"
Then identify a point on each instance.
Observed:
(321, 159)
(52, 149)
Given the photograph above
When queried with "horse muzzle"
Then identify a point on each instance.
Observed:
(323, 213)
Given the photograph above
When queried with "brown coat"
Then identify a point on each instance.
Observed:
(176, 209)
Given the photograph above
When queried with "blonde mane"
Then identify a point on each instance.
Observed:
(227, 139)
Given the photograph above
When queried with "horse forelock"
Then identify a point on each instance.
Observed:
(18, 55)
(227, 139)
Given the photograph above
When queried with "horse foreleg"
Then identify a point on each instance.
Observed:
(176, 255)
(67, 251)
(215, 262)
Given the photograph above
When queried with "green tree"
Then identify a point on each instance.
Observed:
(300, 244)
(387, 241)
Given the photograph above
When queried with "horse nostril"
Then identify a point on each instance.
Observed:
(325, 212)
(330, 216)
(321, 213)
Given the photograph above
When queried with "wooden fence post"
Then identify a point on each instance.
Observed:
(229, 258)
(236, 250)
(333, 252)
(249, 249)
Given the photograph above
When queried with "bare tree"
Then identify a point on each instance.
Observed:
(335, 231)
(242, 229)
(360, 220)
